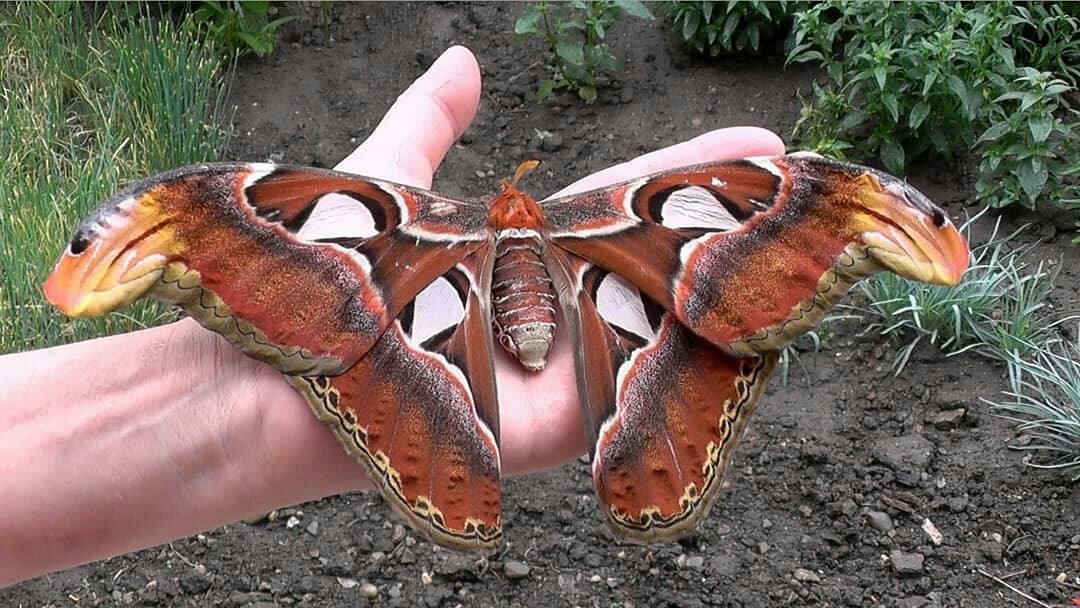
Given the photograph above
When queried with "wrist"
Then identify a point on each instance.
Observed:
(142, 438)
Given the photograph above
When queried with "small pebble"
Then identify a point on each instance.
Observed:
(906, 563)
(932, 532)
(880, 521)
(806, 576)
(949, 419)
(515, 569)
(369, 591)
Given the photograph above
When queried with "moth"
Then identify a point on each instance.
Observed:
(382, 303)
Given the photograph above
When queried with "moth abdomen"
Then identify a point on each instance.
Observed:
(523, 301)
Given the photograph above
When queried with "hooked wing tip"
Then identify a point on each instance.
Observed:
(113, 258)
(907, 233)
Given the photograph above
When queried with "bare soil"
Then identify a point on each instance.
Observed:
(839, 471)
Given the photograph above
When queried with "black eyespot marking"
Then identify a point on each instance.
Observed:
(938, 218)
(80, 241)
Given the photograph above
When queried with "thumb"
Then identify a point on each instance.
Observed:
(423, 123)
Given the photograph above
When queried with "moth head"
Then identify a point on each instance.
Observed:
(114, 257)
(903, 230)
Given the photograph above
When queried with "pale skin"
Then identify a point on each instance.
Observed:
(116, 444)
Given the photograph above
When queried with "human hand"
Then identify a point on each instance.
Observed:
(544, 428)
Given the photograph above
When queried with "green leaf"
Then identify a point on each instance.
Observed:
(690, 25)
(807, 56)
(958, 87)
(598, 30)
(1027, 100)
(280, 21)
(892, 154)
(570, 51)
(729, 28)
(603, 58)
(888, 99)
(1032, 176)
(1040, 127)
(587, 94)
(851, 120)
(928, 81)
(571, 24)
(1008, 96)
(918, 114)
(880, 72)
(261, 47)
(994, 132)
(635, 8)
(528, 23)
(545, 90)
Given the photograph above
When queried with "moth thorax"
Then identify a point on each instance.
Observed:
(523, 301)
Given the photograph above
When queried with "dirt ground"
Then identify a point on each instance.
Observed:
(833, 483)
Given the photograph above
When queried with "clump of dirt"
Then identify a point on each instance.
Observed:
(861, 489)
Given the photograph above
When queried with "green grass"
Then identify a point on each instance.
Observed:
(87, 105)
(1044, 401)
(997, 310)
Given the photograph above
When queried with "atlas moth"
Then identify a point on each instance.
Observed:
(382, 303)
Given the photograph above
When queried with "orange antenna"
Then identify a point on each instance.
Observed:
(524, 168)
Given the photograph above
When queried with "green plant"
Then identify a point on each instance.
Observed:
(244, 26)
(574, 33)
(84, 108)
(895, 88)
(1049, 39)
(1027, 143)
(943, 78)
(732, 27)
(996, 310)
(790, 354)
(1045, 403)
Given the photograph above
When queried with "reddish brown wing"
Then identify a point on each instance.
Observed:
(421, 413)
(228, 243)
(664, 408)
(321, 273)
(680, 288)
(750, 253)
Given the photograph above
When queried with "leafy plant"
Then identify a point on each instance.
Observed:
(574, 33)
(943, 78)
(244, 26)
(733, 27)
(1045, 403)
(1049, 39)
(1028, 143)
(996, 310)
(893, 90)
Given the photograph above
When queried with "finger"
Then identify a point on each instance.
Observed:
(418, 130)
(721, 144)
